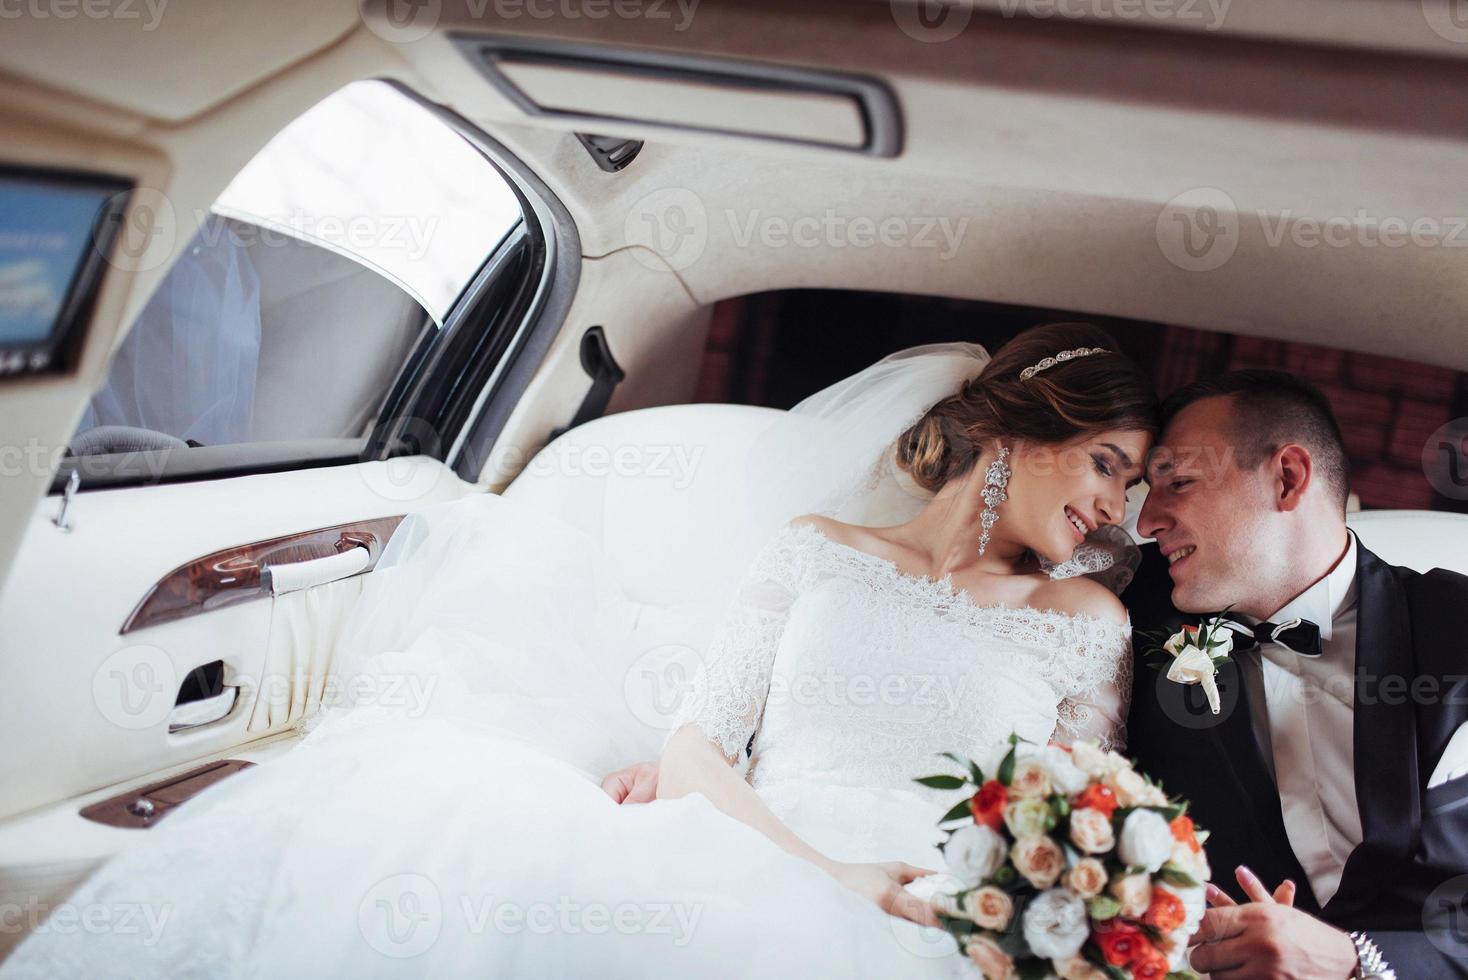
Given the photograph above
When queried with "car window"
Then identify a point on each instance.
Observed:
(331, 258)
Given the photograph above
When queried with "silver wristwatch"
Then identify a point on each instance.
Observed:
(1370, 964)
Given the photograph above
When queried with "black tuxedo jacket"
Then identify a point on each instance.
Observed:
(1407, 883)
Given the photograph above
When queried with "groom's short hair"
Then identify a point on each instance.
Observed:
(1273, 409)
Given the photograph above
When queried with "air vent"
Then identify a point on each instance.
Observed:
(589, 86)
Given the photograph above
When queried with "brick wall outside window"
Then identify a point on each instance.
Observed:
(776, 348)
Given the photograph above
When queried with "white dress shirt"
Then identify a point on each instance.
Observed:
(1303, 712)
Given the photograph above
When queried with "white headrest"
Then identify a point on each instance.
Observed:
(1419, 539)
(656, 487)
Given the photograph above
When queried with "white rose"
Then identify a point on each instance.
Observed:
(1134, 894)
(1195, 903)
(992, 961)
(1087, 878)
(1065, 775)
(1056, 924)
(1174, 946)
(973, 853)
(1089, 758)
(1146, 840)
(1181, 640)
(991, 760)
(989, 908)
(1039, 859)
(1078, 967)
(1090, 831)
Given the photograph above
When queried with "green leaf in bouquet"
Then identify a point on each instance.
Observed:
(1181, 975)
(1173, 875)
(960, 811)
(1060, 806)
(976, 774)
(941, 782)
(1006, 768)
(1004, 875)
(1171, 813)
(1103, 908)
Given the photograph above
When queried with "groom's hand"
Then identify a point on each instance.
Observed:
(635, 784)
(1268, 937)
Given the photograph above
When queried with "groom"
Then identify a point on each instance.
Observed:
(1328, 763)
(1331, 769)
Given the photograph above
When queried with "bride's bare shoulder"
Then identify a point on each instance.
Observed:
(850, 535)
(1080, 596)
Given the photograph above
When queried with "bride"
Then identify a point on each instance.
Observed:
(934, 534)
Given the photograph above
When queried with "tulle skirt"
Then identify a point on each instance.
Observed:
(457, 827)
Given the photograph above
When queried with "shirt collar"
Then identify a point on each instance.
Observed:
(1330, 596)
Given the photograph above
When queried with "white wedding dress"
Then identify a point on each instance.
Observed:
(465, 834)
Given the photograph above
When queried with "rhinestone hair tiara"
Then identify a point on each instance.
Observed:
(1061, 358)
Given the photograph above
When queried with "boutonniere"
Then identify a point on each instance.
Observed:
(1193, 653)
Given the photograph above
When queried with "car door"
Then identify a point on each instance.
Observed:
(302, 378)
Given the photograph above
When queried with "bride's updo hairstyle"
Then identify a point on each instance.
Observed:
(1074, 398)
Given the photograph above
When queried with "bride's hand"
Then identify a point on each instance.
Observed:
(882, 883)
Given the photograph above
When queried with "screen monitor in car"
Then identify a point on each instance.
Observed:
(56, 234)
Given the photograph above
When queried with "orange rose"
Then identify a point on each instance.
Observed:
(1121, 943)
(1166, 912)
(1097, 797)
(1150, 965)
(988, 805)
(1183, 830)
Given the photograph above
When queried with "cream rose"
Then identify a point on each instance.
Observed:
(1030, 781)
(1146, 840)
(1189, 861)
(1128, 785)
(1026, 818)
(1090, 831)
(1193, 666)
(992, 961)
(989, 908)
(1039, 859)
(1056, 924)
(973, 853)
(1089, 759)
(1133, 893)
(1087, 878)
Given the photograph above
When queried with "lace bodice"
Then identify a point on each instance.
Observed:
(849, 672)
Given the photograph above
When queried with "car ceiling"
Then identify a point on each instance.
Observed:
(1060, 140)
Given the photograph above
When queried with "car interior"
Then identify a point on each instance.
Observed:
(667, 228)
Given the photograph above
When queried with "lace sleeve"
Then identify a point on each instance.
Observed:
(1096, 706)
(730, 693)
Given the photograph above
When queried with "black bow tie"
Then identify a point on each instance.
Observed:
(1298, 635)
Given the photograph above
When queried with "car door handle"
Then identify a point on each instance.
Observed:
(206, 711)
(298, 575)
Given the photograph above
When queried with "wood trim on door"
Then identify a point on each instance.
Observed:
(233, 575)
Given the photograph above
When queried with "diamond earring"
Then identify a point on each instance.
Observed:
(995, 482)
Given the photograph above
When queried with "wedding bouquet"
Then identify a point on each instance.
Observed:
(1071, 864)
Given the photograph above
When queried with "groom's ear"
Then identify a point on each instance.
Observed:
(1293, 470)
